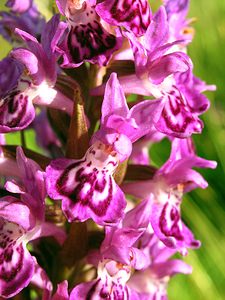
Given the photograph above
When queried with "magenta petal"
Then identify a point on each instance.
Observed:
(87, 188)
(8, 167)
(104, 210)
(177, 170)
(128, 256)
(117, 253)
(157, 33)
(121, 237)
(14, 210)
(10, 72)
(133, 15)
(87, 38)
(27, 58)
(183, 156)
(49, 35)
(141, 215)
(16, 263)
(31, 174)
(145, 114)
(140, 153)
(16, 270)
(114, 102)
(140, 55)
(169, 228)
(25, 36)
(85, 290)
(166, 65)
(139, 259)
(171, 268)
(99, 289)
(176, 119)
(88, 42)
(61, 4)
(41, 280)
(189, 178)
(16, 113)
(120, 143)
(62, 292)
(13, 187)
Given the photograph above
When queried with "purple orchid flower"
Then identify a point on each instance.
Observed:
(155, 75)
(22, 220)
(156, 65)
(173, 179)
(159, 70)
(86, 186)
(23, 15)
(116, 258)
(151, 283)
(87, 39)
(17, 110)
(110, 284)
(94, 28)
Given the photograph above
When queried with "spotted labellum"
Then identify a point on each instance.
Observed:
(86, 38)
(86, 186)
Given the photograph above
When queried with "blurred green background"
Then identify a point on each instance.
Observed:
(203, 210)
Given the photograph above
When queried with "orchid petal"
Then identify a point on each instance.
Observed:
(157, 33)
(114, 99)
(86, 187)
(16, 112)
(16, 263)
(133, 15)
(62, 292)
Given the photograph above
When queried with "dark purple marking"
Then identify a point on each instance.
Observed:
(136, 13)
(91, 40)
(14, 109)
(174, 230)
(6, 256)
(98, 181)
(118, 292)
(175, 106)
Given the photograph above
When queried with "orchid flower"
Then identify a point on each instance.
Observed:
(21, 221)
(16, 109)
(93, 28)
(116, 259)
(86, 186)
(158, 70)
(86, 38)
(169, 183)
(151, 283)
